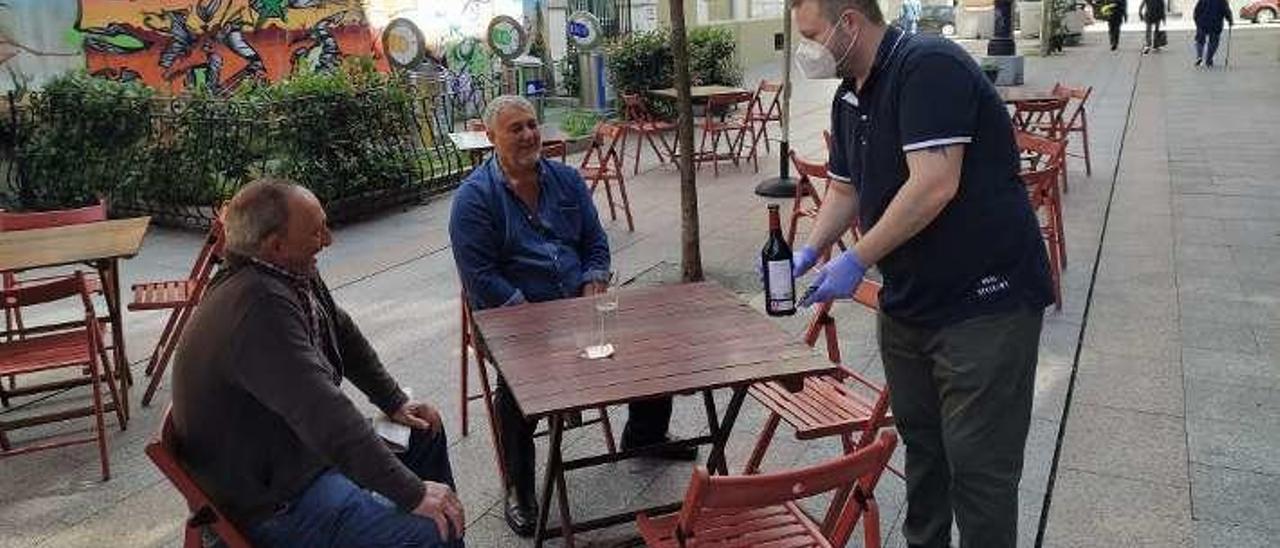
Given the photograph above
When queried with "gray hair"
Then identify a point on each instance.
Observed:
(500, 104)
(257, 211)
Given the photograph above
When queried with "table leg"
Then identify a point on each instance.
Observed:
(550, 482)
(716, 461)
(109, 271)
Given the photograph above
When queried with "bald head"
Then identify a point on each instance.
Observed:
(278, 221)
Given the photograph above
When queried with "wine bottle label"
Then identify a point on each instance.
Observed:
(781, 290)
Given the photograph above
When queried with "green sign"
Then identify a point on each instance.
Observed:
(507, 38)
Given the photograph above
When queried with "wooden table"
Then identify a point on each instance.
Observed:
(669, 340)
(699, 93)
(101, 244)
(477, 142)
(1020, 94)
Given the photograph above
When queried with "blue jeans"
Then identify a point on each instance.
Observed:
(334, 511)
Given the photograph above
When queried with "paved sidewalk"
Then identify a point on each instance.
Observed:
(1182, 299)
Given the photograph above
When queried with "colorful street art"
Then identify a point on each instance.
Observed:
(180, 45)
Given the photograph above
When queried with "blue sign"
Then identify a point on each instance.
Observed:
(578, 30)
(535, 87)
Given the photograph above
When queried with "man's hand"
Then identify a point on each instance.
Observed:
(441, 505)
(836, 280)
(592, 288)
(418, 415)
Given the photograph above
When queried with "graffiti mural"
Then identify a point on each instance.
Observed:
(181, 45)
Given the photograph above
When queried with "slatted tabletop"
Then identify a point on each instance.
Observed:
(1019, 94)
(478, 141)
(668, 340)
(44, 247)
(699, 93)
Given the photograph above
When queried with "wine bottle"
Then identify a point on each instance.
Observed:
(779, 284)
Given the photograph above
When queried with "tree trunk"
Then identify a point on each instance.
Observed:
(690, 250)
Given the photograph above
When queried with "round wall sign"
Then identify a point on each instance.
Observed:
(404, 44)
(507, 38)
(584, 30)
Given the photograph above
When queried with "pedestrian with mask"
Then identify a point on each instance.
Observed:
(924, 157)
(1209, 15)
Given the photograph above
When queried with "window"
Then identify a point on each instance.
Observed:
(716, 10)
(761, 9)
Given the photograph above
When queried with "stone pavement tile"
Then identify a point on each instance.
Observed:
(1225, 495)
(1253, 232)
(1050, 391)
(1211, 283)
(1236, 445)
(1198, 332)
(1133, 334)
(1200, 230)
(1125, 298)
(1096, 510)
(1212, 534)
(1221, 310)
(1140, 270)
(1231, 367)
(1125, 443)
(147, 517)
(1042, 441)
(1123, 382)
(1220, 401)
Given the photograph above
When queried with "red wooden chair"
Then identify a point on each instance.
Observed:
(163, 451)
(69, 345)
(841, 404)
(180, 298)
(471, 344)
(723, 127)
(1078, 120)
(1041, 180)
(1044, 118)
(806, 189)
(762, 510)
(603, 163)
(642, 123)
(760, 116)
(551, 149)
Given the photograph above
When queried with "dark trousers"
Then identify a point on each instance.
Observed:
(961, 397)
(647, 424)
(334, 511)
(1152, 28)
(1113, 30)
(1203, 36)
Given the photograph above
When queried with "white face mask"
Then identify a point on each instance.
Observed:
(816, 61)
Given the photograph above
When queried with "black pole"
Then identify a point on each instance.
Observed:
(1001, 42)
(783, 186)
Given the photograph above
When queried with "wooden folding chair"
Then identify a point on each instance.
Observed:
(1041, 154)
(762, 510)
(723, 127)
(180, 297)
(603, 163)
(1044, 118)
(641, 122)
(806, 189)
(204, 512)
(842, 404)
(1041, 179)
(551, 149)
(1078, 120)
(759, 116)
(68, 345)
(471, 344)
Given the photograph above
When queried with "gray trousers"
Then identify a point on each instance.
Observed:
(961, 396)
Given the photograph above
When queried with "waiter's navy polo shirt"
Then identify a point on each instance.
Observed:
(984, 252)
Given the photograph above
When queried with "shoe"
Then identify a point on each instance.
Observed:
(1209, 63)
(670, 453)
(522, 512)
(1113, 47)
(1198, 61)
(1146, 50)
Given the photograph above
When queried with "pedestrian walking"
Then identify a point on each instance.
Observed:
(1115, 12)
(909, 20)
(923, 156)
(1152, 12)
(1209, 15)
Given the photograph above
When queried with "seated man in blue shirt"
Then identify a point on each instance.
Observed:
(524, 229)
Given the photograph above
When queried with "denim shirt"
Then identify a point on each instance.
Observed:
(507, 254)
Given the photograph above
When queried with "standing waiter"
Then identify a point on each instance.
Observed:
(927, 154)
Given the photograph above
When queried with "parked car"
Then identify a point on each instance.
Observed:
(1261, 11)
(938, 19)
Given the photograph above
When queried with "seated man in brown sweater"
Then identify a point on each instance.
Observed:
(259, 415)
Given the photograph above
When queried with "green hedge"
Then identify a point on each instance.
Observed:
(642, 61)
(348, 135)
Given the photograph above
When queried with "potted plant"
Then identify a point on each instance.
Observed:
(991, 69)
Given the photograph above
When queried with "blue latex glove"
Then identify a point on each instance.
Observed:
(836, 280)
(801, 262)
